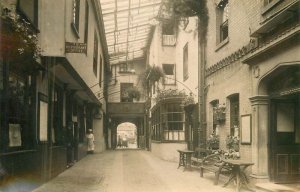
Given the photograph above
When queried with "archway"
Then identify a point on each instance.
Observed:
(127, 136)
(280, 121)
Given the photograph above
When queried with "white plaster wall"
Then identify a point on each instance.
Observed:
(98, 134)
(167, 151)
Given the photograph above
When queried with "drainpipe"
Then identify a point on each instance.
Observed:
(201, 77)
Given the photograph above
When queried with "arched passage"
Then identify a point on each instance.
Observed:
(127, 136)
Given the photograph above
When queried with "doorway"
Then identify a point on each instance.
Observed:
(285, 139)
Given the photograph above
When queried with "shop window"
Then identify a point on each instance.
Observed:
(222, 17)
(16, 109)
(124, 93)
(234, 115)
(95, 57)
(185, 62)
(169, 71)
(75, 18)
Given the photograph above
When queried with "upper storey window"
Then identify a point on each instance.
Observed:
(222, 21)
(75, 18)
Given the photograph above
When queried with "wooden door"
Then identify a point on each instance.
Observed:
(285, 141)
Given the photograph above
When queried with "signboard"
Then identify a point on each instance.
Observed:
(71, 47)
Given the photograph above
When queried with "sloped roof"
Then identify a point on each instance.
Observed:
(127, 27)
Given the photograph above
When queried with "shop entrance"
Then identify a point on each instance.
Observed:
(284, 149)
(285, 139)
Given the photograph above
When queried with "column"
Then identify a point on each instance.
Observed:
(260, 136)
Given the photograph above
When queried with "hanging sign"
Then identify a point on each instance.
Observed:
(71, 47)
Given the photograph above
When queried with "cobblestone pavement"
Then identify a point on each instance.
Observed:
(130, 171)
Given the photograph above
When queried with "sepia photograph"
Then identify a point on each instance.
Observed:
(149, 95)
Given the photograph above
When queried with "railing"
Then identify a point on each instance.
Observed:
(169, 40)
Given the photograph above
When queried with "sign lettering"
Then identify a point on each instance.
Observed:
(71, 47)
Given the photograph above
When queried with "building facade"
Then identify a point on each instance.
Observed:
(252, 77)
(173, 48)
(48, 102)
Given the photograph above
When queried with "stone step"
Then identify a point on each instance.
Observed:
(273, 187)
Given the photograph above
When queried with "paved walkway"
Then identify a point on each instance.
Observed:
(129, 171)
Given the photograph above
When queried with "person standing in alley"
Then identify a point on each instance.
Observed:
(90, 141)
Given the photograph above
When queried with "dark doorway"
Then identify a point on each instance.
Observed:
(285, 139)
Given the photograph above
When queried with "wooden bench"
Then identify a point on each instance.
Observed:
(213, 163)
(199, 155)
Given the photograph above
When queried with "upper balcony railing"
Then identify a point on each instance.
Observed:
(169, 40)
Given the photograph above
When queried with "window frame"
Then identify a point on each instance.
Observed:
(222, 24)
(86, 24)
(185, 62)
(167, 77)
(95, 53)
(160, 123)
(75, 17)
(234, 115)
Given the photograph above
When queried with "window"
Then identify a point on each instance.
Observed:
(185, 62)
(222, 21)
(16, 109)
(29, 8)
(75, 18)
(57, 101)
(214, 104)
(168, 28)
(95, 57)
(123, 68)
(234, 114)
(100, 71)
(169, 71)
(124, 92)
(86, 27)
(168, 123)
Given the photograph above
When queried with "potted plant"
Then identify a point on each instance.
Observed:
(213, 142)
(219, 112)
(189, 103)
(134, 93)
(151, 75)
(232, 142)
(169, 94)
(18, 38)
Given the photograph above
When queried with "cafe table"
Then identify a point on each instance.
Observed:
(185, 157)
(238, 173)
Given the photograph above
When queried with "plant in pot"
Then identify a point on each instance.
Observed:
(232, 144)
(213, 142)
(151, 75)
(134, 93)
(219, 112)
(18, 38)
(188, 103)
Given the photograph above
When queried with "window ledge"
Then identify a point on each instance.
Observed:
(222, 44)
(74, 29)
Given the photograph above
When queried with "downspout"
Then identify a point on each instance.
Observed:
(202, 32)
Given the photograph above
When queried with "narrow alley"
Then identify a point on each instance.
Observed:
(130, 171)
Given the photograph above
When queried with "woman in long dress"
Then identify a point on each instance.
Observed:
(90, 142)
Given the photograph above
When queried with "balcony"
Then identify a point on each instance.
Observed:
(169, 40)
